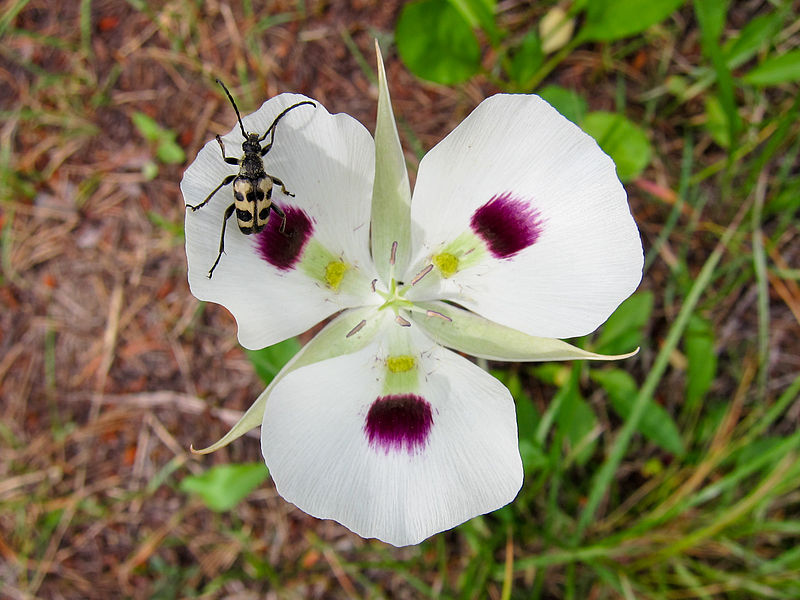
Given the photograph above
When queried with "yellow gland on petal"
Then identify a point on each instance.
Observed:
(402, 374)
(334, 273)
(446, 263)
(401, 364)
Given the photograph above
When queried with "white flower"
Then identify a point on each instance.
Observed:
(518, 233)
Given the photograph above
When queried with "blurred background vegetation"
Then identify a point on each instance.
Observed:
(674, 474)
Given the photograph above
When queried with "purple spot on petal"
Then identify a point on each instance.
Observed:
(284, 249)
(399, 422)
(507, 224)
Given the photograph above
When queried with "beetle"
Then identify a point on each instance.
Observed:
(252, 186)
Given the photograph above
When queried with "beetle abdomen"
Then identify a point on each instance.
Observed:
(252, 198)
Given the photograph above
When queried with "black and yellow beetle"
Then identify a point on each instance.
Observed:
(252, 187)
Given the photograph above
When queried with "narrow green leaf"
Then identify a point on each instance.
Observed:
(711, 18)
(622, 140)
(755, 35)
(776, 69)
(656, 424)
(575, 418)
(269, 361)
(603, 479)
(702, 358)
(436, 42)
(568, 102)
(716, 122)
(222, 487)
(608, 20)
(625, 327)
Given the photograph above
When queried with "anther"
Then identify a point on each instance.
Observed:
(421, 274)
(433, 313)
(402, 322)
(356, 329)
(372, 285)
(394, 253)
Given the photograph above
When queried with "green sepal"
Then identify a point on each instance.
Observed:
(472, 334)
(391, 193)
(332, 341)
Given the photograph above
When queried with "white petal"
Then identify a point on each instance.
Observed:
(315, 443)
(587, 254)
(327, 161)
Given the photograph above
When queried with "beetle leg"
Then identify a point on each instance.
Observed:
(228, 213)
(228, 159)
(225, 181)
(282, 215)
(277, 181)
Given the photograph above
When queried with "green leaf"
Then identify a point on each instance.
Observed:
(702, 359)
(608, 20)
(625, 142)
(436, 42)
(224, 486)
(783, 68)
(753, 36)
(269, 361)
(169, 152)
(656, 424)
(575, 418)
(479, 13)
(716, 122)
(167, 149)
(568, 102)
(625, 327)
(526, 59)
(147, 126)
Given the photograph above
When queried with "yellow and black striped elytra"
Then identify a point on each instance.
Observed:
(252, 187)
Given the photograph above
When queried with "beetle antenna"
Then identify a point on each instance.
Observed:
(238, 116)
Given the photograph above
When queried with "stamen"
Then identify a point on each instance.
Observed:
(421, 274)
(433, 313)
(356, 329)
(402, 322)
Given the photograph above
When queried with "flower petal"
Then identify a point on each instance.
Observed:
(557, 249)
(468, 332)
(327, 162)
(401, 466)
(391, 194)
(349, 332)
